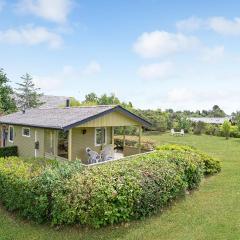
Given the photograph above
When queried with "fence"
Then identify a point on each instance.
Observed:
(51, 156)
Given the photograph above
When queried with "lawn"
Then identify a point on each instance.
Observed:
(212, 212)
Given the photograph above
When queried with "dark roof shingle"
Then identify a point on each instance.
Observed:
(62, 118)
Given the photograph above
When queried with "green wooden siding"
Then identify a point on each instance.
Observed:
(112, 119)
(26, 145)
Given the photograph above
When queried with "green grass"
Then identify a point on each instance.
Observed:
(212, 212)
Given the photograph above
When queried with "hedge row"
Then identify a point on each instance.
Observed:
(99, 195)
(8, 151)
(211, 165)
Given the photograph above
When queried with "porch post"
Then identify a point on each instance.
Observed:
(124, 136)
(70, 144)
(139, 138)
(113, 136)
(55, 142)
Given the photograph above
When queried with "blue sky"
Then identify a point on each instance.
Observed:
(156, 54)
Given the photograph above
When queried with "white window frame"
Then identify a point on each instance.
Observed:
(11, 141)
(95, 137)
(23, 132)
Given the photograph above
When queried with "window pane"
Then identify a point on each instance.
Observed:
(100, 136)
(11, 133)
(103, 135)
(26, 132)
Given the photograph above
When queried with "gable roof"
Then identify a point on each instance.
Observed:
(65, 118)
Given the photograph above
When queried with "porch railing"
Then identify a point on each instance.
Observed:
(120, 159)
(54, 157)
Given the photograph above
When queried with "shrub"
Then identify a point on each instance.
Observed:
(234, 132)
(133, 188)
(8, 151)
(27, 187)
(119, 191)
(198, 128)
(226, 129)
(211, 165)
(210, 129)
(146, 144)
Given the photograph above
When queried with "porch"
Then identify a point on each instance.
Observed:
(72, 144)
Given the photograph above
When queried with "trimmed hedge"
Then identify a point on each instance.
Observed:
(26, 186)
(67, 193)
(8, 151)
(211, 165)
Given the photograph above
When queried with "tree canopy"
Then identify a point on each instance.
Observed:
(7, 103)
(27, 95)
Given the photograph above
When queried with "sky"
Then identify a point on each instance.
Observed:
(156, 54)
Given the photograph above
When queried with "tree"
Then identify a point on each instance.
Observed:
(27, 94)
(217, 112)
(74, 102)
(226, 128)
(7, 103)
(91, 98)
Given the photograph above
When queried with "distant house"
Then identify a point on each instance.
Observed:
(65, 131)
(49, 101)
(212, 120)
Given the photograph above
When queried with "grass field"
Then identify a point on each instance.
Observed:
(212, 212)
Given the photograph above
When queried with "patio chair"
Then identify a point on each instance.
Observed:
(94, 157)
(107, 153)
(172, 132)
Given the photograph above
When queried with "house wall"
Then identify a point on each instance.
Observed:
(81, 141)
(26, 145)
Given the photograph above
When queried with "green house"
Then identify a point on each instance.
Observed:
(66, 132)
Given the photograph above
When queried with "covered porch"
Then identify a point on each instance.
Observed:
(96, 134)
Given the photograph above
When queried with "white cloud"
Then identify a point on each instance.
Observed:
(53, 10)
(161, 43)
(220, 25)
(157, 71)
(92, 68)
(180, 95)
(48, 83)
(214, 54)
(189, 24)
(58, 81)
(31, 36)
(224, 26)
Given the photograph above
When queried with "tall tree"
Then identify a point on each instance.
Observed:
(217, 112)
(28, 96)
(7, 103)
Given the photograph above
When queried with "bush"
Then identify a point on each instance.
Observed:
(119, 191)
(211, 165)
(133, 188)
(198, 128)
(234, 132)
(27, 187)
(226, 128)
(8, 151)
(132, 141)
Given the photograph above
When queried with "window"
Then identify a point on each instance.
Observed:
(26, 132)
(100, 136)
(11, 133)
